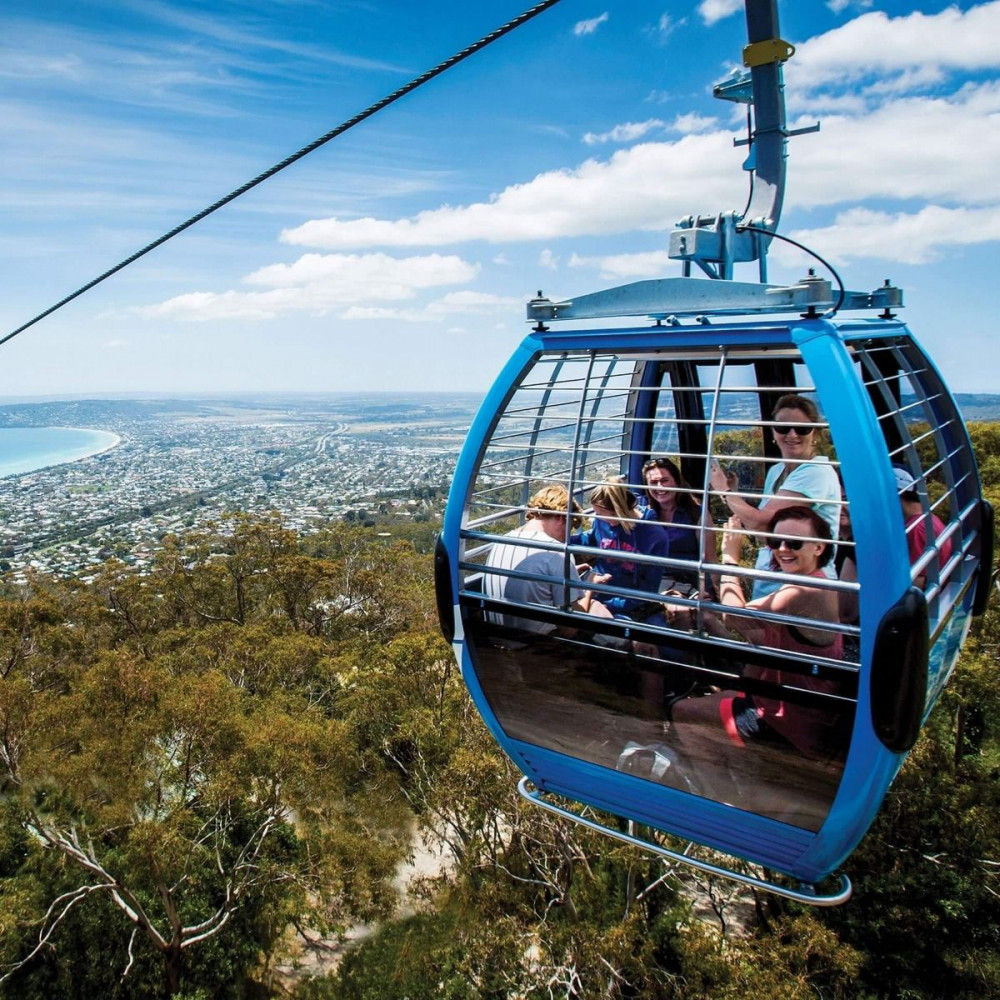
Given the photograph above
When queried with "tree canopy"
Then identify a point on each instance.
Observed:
(210, 765)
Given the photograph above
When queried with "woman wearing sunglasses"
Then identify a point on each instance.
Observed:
(714, 732)
(801, 477)
(800, 546)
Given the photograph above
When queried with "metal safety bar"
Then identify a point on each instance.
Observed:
(806, 893)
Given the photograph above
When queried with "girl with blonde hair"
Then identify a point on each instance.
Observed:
(617, 526)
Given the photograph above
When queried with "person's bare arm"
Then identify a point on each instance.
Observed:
(848, 600)
(731, 592)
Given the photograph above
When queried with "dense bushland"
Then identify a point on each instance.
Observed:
(207, 768)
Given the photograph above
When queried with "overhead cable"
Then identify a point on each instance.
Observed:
(305, 151)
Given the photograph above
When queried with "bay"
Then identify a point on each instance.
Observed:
(26, 449)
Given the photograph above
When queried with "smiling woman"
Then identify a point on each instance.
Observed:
(800, 545)
(25, 449)
(801, 477)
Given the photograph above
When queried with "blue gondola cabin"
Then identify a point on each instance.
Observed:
(767, 728)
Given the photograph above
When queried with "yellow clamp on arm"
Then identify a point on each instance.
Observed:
(771, 50)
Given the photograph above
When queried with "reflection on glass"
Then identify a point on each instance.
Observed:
(656, 718)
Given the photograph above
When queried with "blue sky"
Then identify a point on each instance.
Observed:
(400, 255)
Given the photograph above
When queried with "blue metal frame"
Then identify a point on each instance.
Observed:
(804, 894)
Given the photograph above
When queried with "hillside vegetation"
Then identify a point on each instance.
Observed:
(210, 767)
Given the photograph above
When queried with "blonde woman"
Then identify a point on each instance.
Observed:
(617, 526)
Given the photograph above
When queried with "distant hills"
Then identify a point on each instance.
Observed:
(978, 405)
(398, 407)
(355, 407)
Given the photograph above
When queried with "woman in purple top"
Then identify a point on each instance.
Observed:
(670, 503)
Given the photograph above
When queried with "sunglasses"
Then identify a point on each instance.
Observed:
(788, 428)
(794, 544)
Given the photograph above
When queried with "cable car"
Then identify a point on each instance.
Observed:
(638, 676)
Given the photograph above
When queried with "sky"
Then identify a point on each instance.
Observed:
(400, 255)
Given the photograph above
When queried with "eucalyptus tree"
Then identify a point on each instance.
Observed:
(180, 744)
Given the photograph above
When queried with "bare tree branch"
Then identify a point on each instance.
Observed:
(63, 904)
(131, 953)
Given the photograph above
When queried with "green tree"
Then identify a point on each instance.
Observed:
(188, 761)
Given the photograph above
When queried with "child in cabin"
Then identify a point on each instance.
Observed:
(617, 526)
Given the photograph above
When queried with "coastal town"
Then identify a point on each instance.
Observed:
(184, 465)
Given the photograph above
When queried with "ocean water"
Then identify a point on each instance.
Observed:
(25, 449)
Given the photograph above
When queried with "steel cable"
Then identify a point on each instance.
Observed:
(305, 151)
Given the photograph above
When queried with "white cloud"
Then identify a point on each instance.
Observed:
(665, 27)
(454, 303)
(22, 65)
(352, 274)
(590, 26)
(544, 129)
(648, 186)
(317, 284)
(627, 132)
(926, 163)
(920, 45)
(469, 301)
(652, 264)
(385, 312)
(199, 307)
(906, 81)
(124, 68)
(932, 149)
(243, 34)
(820, 102)
(715, 10)
(917, 238)
(693, 122)
(839, 6)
